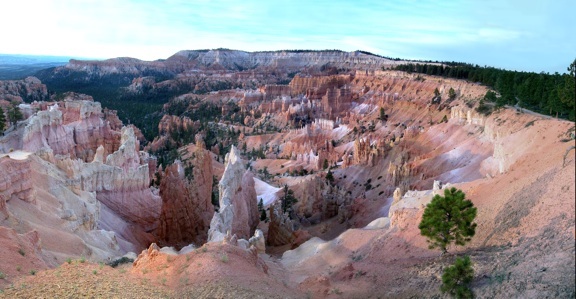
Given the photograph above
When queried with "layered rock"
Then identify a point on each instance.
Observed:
(121, 182)
(29, 89)
(272, 92)
(170, 123)
(15, 179)
(315, 87)
(364, 152)
(76, 129)
(238, 212)
(281, 227)
(336, 100)
(186, 193)
(286, 60)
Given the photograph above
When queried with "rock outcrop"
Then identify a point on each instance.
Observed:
(15, 179)
(238, 205)
(280, 228)
(29, 89)
(316, 87)
(121, 181)
(74, 128)
(186, 192)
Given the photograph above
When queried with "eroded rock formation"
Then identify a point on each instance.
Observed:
(15, 179)
(280, 228)
(74, 128)
(238, 206)
(186, 192)
(29, 89)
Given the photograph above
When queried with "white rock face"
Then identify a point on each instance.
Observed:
(238, 206)
(231, 59)
(258, 241)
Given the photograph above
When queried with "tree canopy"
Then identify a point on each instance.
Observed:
(448, 219)
(2, 121)
(288, 200)
(14, 114)
(457, 278)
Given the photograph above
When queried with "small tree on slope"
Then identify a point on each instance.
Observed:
(448, 219)
(457, 278)
(2, 121)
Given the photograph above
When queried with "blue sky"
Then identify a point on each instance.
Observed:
(519, 34)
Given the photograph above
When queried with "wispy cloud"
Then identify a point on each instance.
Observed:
(490, 32)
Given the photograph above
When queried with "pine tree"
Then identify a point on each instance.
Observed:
(263, 216)
(451, 93)
(567, 94)
(2, 121)
(457, 278)
(288, 200)
(330, 177)
(383, 116)
(14, 114)
(448, 219)
(262, 210)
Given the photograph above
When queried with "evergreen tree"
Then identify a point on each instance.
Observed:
(215, 197)
(288, 200)
(383, 116)
(457, 278)
(262, 210)
(448, 219)
(14, 114)
(330, 177)
(451, 93)
(2, 121)
(568, 93)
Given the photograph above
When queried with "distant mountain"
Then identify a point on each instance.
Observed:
(16, 66)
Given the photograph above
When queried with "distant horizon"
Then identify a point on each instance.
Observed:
(68, 58)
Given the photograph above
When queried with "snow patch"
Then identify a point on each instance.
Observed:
(265, 191)
(378, 223)
(17, 155)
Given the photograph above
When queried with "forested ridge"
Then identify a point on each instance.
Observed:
(551, 94)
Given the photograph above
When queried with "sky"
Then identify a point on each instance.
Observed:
(524, 35)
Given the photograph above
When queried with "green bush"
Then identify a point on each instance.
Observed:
(457, 278)
(122, 260)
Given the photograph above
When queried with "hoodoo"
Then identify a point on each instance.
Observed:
(285, 174)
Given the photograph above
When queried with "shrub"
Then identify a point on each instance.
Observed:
(224, 258)
(484, 108)
(457, 278)
(122, 260)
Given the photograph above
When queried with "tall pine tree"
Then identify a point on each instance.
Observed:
(2, 121)
(448, 219)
